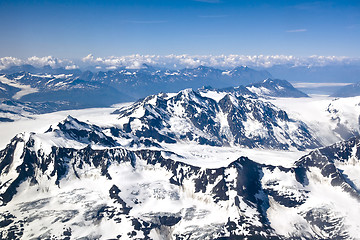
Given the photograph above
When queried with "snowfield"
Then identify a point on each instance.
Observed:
(321, 113)
(40, 123)
(330, 119)
(104, 173)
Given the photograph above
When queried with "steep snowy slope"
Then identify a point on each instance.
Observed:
(213, 118)
(74, 181)
(329, 119)
(205, 164)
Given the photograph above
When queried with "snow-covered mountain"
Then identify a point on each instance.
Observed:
(22, 95)
(206, 164)
(275, 88)
(137, 81)
(149, 80)
(76, 181)
(64, 89)
(61, 90)
(213, 118)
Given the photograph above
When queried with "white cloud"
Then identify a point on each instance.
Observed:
(111, 68)
(71, 67)
(220, 61)
(179, 61)
(88, 58)
(6, 62)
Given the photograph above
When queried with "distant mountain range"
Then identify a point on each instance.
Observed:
(147, 80)
(45, 89)
(275, 88)
(351, 90)
(330, 73)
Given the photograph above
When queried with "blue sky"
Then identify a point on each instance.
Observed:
(73, 29)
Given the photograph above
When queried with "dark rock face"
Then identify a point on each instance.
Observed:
(56, 165)
(82, 132)
(326, 160)
(228, 121)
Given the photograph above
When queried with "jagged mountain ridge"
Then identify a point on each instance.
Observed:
(146, 81)
(49, 90)
(63, 164)
(100, 184)
(275, 88)
(214, 118)
(121, 181)
(335, 163)
(134, 81)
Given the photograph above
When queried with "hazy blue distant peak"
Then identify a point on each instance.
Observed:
(137, 61)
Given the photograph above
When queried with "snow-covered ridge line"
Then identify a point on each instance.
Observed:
(227, 120)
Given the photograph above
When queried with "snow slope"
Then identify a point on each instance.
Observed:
(82, 177)
(87, 185)
(330, 119)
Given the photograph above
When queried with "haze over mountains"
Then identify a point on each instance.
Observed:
(41, 90)
(44, 89)
(291, 68)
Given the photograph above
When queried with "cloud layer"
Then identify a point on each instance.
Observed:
(220, 61)
(7, 62)
(179, 61)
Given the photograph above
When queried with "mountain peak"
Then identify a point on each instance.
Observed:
(275, 88)
(214, 118)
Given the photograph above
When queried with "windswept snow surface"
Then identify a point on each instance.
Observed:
(216, 157)
(321, 113)
(330, 119)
